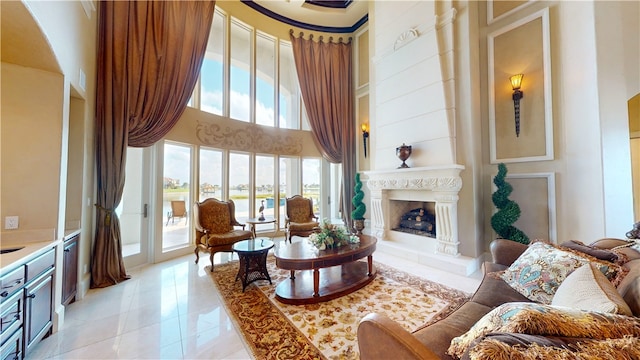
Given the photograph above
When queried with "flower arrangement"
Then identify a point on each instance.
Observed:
(331, 236)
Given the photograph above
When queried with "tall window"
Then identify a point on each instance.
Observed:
(210, 174)
(212, 73)
(249, 75)
(289, 181)
(265, 79)
(265, 188)
(311, 181)
(240, 76)
(289, 99)
(239, 184)
(277, 99)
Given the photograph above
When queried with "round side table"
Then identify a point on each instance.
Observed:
(253, 260)
(254, 221)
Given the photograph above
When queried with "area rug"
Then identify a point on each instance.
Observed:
(328, 330)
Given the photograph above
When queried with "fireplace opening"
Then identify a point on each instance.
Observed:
(414, 217)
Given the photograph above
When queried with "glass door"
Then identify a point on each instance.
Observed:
(176, 202)
(133, 210)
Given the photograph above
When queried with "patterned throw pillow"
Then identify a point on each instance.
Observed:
(624, 348)
(539, 319)
(588, 289)
(539, 271)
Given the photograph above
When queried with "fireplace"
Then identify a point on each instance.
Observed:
(435, 185)
(416, 217)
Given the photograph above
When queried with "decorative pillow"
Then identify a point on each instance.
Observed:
(588, 289)
(602, 254)
(540, 319)
(624, 348)
(539, 271)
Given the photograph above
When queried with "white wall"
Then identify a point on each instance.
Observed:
(410, 102)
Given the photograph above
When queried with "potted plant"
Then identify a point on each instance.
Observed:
(508, 210)
(358, 213)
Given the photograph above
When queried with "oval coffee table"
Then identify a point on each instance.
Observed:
(323, 274)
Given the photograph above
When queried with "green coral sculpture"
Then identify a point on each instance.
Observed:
(360, 208)
(508, 211)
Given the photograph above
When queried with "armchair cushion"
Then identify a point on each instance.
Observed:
(229, 237)
(307, 226)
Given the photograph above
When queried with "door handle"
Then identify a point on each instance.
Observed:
(145, 210)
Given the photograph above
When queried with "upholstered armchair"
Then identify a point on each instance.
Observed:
(300, 219)
(214, 223)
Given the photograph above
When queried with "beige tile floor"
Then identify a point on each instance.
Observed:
(170, 310)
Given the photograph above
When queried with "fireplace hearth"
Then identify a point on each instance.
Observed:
(438, 186)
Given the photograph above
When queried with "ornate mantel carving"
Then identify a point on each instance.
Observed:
(439, 184)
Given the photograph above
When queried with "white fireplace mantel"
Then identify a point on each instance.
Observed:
(439, 184)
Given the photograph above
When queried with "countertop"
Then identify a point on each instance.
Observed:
(30, 249)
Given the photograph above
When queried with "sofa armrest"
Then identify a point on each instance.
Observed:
(505, 252)
(382, 338)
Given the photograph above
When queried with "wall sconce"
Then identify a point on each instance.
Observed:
(365, 135)
(516, 82)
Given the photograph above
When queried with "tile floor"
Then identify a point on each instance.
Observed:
(170, 310)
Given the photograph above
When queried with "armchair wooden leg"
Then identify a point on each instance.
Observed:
(197, 251)
(211, 258)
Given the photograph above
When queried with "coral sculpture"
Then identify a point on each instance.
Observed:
(508, 211)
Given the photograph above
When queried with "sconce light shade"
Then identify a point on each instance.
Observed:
(516, 83)
(365, 135)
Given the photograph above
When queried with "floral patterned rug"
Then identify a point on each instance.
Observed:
(327, 330)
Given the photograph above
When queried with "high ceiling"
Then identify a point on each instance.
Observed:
(322, 15)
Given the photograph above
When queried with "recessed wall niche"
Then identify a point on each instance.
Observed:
(521, 47)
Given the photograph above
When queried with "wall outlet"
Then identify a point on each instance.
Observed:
(11, 222)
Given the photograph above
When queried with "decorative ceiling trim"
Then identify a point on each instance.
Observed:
(335, 4)
(330, 29)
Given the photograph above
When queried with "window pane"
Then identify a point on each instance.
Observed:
(210, 174)
(311, 182)
(289, 182)
(212, 75)
(265, 189)
(239, 97)
(239, 184)
(175, 196)
(289, 89)
(265, 79)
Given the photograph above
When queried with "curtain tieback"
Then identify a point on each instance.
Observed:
(107, 219)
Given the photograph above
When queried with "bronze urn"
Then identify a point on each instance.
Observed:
(403, 152)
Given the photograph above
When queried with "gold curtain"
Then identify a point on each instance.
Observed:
(149, 58)
(325, 73)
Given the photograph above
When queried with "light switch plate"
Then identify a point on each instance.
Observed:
(11, 222)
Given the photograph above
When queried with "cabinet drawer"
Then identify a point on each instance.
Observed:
(10, 316)
(40, 264)
(12, 348)
(11, 282)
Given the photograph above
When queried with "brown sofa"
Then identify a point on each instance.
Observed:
(381, 338)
